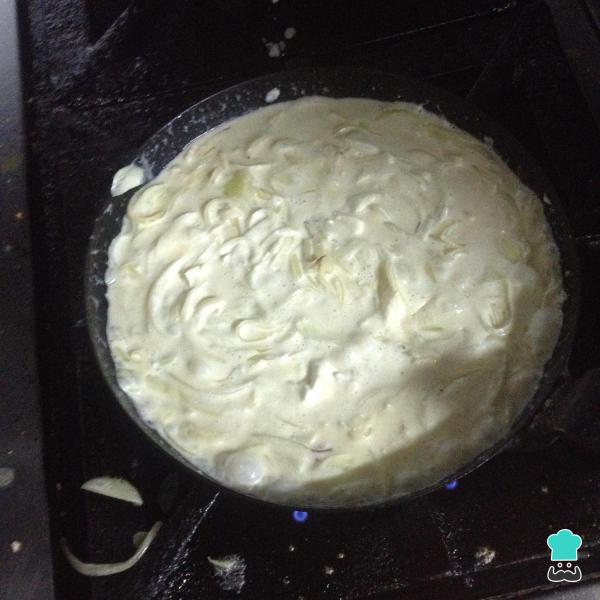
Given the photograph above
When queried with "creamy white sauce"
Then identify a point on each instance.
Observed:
(333, 300)
(125, 179)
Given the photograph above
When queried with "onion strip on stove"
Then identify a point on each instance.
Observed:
(103, 569)
(114, 487)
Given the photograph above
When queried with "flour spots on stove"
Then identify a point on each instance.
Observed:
(484, 556)
(448, 534)
(275, 49)
(231, 571)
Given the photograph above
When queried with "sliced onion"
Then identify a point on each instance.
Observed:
(103, 569)
(225, 563)
(138, 538)
(114, 487)
(149, 204)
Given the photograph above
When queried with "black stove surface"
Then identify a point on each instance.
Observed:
(102, 76)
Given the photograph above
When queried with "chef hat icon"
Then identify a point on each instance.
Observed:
(564, 545)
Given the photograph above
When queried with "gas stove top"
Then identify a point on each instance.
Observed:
(101, 77)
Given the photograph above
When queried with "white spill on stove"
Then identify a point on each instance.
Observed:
(275, 49)
(484, 556)
(231, 572)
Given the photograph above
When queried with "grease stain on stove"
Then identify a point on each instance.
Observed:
(11, 164)
(167, 492)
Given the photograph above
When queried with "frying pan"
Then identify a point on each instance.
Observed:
(338, 82)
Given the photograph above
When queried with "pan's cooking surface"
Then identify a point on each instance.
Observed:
(427, 453)
(487, 535)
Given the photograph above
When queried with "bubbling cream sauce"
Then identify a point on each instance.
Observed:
(333, 300)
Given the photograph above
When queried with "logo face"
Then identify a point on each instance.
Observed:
(564, 545)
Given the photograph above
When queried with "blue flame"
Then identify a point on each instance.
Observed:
(452, 485)
(300, 516)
